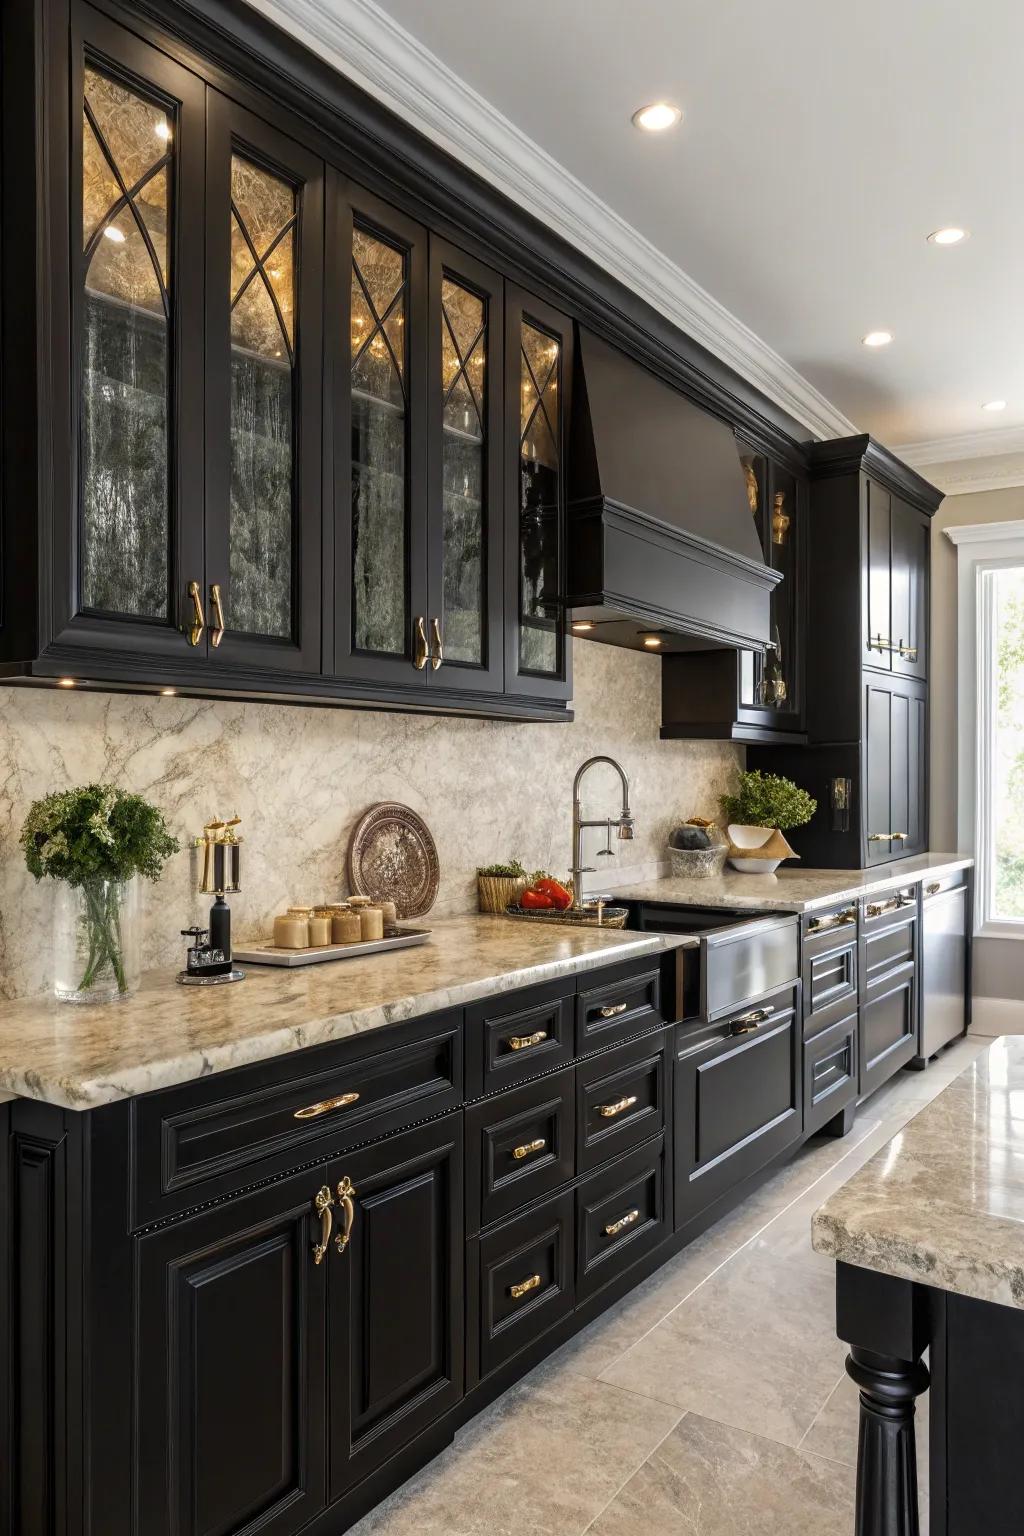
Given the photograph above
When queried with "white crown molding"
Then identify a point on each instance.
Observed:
(982, 477)
(982, 444)
(985, 533)
(368, 46)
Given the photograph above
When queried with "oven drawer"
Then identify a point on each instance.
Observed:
(830, 1072)
(523, 1274)
(625, 1002)
(622, 1213)
(518, 1035)
(519, 1146)
(621, 1099)
(219, 1134)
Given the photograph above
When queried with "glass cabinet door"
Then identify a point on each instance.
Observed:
(134, 501)
(538, 376)
(377, 312)
(464, 532)
(771, 683)
(263, 505)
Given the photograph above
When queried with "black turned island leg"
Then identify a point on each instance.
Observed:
(886, 1323)
(886, 1451)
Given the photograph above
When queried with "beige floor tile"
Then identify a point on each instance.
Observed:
(754, 1346)
(707, 1479)
(545, 1458)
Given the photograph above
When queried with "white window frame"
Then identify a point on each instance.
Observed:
(981, 548)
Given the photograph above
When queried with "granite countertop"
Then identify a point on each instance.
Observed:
(943, 1202)
(80, 1058)
(792, 889)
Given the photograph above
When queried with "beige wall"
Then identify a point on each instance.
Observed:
(299, 778)
(999, 963)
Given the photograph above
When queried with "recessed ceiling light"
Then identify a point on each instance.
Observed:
(117, 235)
(66, 682)
(953, 235)
(994, 405)
(581, 626)
(656, 117)
(652, 641)
(877, 338)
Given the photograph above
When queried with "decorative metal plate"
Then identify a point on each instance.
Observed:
(392, 857)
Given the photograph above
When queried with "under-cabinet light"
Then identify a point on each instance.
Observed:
(652, 641)
(67, 682)
(168, 693)
(581, 626)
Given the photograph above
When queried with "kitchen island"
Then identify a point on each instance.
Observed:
(927, 1238)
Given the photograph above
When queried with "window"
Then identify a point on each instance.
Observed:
(990, 715)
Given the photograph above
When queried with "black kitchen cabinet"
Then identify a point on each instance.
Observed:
(230, 1370)
(896, 555)
(895, 756)
(394, 1297)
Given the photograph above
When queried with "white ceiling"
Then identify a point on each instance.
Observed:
(820, 145)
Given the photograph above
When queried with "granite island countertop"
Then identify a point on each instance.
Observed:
(791, 889)
(83, 1057)
(943, 1203)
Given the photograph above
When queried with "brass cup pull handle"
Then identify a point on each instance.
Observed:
(524, 1287)
(422, 649)
(322, 1203)
(523, 1042)
(609, 1111)
(834, 920)
(933, 889)
(746, 1022)
(529, 1147)
(195, 631)
(612, 1009)
(615, 1227)
(346, 1199)
(324, 1106)
(437, 655)
(217, 627)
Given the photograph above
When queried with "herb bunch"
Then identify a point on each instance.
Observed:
(95, 832)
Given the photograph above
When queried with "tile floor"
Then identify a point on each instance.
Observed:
(710, 1402)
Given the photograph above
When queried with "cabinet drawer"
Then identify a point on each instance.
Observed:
(519, 1146)
(517, 1036)
(625, 1002)
(738, 1100)
(830, 1072)
(890, 937)
(621, 1099)
(225, 1132)
(829, 966)
(939, 883)
(525, 1279)
(622, 1212)
(888, 1029)
(745, 961)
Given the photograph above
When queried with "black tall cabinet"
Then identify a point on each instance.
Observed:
(866, 762)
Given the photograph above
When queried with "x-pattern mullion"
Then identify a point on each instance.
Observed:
(539, 405)
(381, 320)
(258, 266)
(127, 200)
(460, 372)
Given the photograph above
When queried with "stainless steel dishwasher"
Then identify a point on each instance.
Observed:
(945, 1005)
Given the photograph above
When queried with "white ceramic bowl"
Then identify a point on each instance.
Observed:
(742, 836)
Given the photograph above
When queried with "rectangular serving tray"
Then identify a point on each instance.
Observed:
(267, 954)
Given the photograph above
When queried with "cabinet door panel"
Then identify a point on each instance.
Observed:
(888, 1029)
(877, 601)
(878, 774)
(377, 350)
(395, 1298)
(264, 358)
(911, 547)
(895, 767)
(129, 517)
(538, 373)
(230, 1369)
(465, 436)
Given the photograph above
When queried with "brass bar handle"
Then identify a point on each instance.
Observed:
(612, 1009)
(524, 1287)
(437, 656)
(615, 1227)
(523, 1042)
(422, 649)
(346, 1199)
(322, 1202)
(217, 627)
(880, 837)
(528, 1147)
(744, 1023)
(195, 632)
(609, 1111)
(324, 1106)
(834, 920)
(908, 652)
(893, 904)
(899, 837)
(878, 644)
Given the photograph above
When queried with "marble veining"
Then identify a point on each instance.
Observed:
(943, 1202)
(84, 1057)
(300, 777)
(790, 890)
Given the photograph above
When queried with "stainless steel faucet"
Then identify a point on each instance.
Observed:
(624, 823)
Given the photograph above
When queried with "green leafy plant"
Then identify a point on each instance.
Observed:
(768, 800)
(513, 870)
(95, 838)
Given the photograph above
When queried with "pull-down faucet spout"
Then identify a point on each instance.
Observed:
(624, 823)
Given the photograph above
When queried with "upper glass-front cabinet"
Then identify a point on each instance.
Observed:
(538, 370)
(771, 683)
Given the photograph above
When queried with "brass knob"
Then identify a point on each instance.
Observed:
(420, 658)
(437, 656)
(195, 632)
(609, 1111)
(217, 627)
(524, 1286)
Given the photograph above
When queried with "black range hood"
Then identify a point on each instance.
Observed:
(661, 542)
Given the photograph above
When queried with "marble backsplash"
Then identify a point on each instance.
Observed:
(299, 777)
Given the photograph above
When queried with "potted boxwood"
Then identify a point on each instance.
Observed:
(764, 806)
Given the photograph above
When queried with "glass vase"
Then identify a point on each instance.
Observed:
(96, 941)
